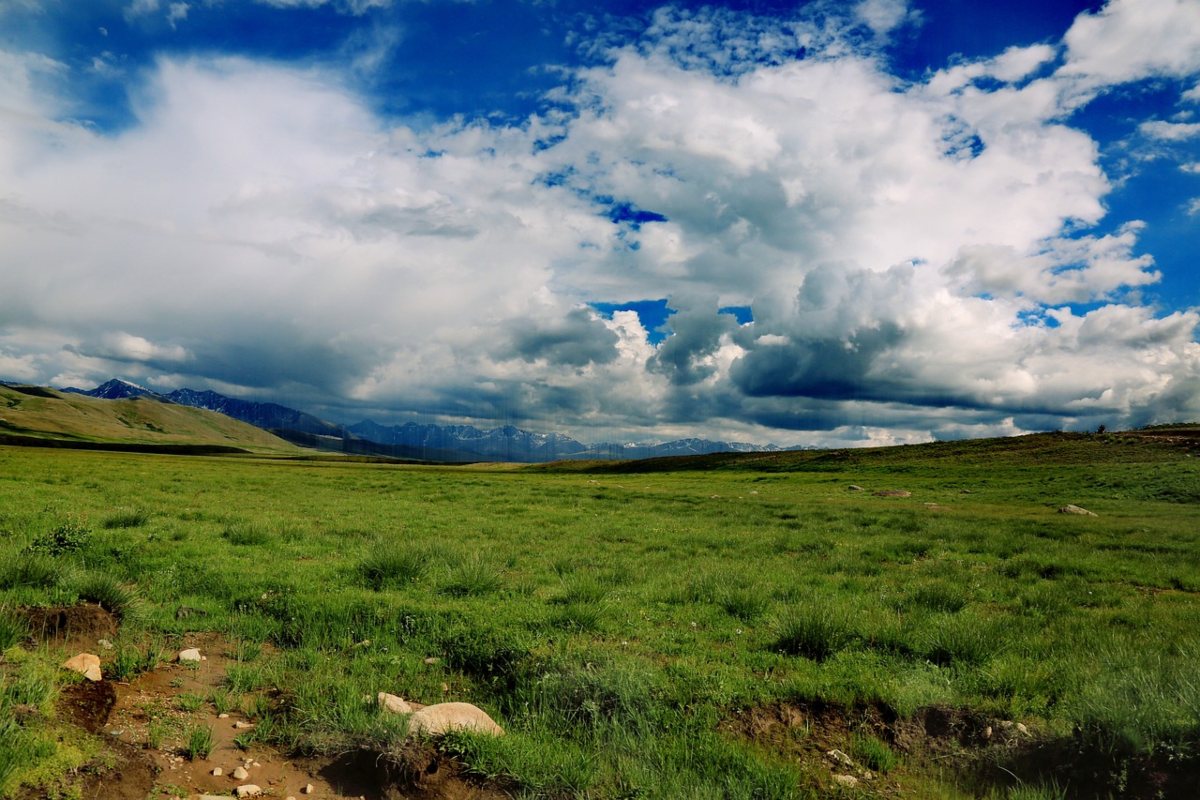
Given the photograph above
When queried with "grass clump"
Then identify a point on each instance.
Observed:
(107, 592)
(471, 577)
(125, 519)
(13, 629)
(34, 571)
(814, 631)
(392, 567)
(873, 753)
(199, 743)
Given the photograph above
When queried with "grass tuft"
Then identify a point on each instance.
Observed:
(392, 566)
(815, 632)
(199, 742)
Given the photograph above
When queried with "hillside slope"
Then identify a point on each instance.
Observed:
(40, 413)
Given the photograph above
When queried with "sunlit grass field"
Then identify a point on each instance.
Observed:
(615, 619)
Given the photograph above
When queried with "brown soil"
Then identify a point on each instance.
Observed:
(80, 626)
(153, 709)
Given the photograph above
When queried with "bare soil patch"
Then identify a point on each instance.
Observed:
(144, 723)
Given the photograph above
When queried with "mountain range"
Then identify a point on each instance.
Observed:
(424, 442)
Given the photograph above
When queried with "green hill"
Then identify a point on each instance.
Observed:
(39, 416)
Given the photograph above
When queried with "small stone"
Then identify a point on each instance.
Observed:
(838, 757)
(308, 789)
(256, 764)
(240, 774)
(432, 660)
(222, 716)
(242, 725)
(1077, 510)
(855, 488)
(106, 644)
(393, 704)
(1021, 729)
(248, 790)
(191, 654)
(217, 772)
(86, 664)
(849, 781)
(987, 732)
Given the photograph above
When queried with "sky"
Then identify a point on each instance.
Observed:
(816, 223)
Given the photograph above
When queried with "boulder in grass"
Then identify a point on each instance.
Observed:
(441, 718)
(86, 664)
(191, 654)
(394, 704)
(1077, 510)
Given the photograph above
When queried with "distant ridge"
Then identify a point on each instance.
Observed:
(423, 442)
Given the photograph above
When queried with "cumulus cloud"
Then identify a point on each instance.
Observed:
(916, 254)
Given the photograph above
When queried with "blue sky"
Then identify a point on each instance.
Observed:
(821, 223)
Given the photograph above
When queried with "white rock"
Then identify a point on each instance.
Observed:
(838, 757)
(240, 774)
(106, 644)
(308, 789)
(248, 790)
(848, 781)
(393, 703)
(1077, 510)
(217, 772)
(191, 654)
(222, 716)
(440, 718)
(242, 725)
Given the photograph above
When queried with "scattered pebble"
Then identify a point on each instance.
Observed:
(837, 756)
(248, 790)
(222, 716)
(217, 772)
(848, 781)
(242, 725)
(308, 789)
(240, 774)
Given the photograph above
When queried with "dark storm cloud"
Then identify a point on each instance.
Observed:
(578, 339)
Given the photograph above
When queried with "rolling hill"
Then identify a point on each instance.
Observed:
(36, 415)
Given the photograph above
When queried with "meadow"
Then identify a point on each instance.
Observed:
(701, 629)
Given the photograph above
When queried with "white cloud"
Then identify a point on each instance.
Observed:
(1192, 167)
(1192, 95)
(882, 16)
(176, 13)
(910, 250)
(1129, 40)
(140, 8)
(1193, 207)
(1170, 131)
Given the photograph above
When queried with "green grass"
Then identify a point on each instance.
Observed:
(615, 620)
(199, 742)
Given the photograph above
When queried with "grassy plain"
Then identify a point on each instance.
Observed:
(640, 629)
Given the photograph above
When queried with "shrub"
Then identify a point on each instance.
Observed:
(69, 537)
(246, 534)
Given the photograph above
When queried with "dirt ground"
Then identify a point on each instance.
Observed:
(144, 723)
